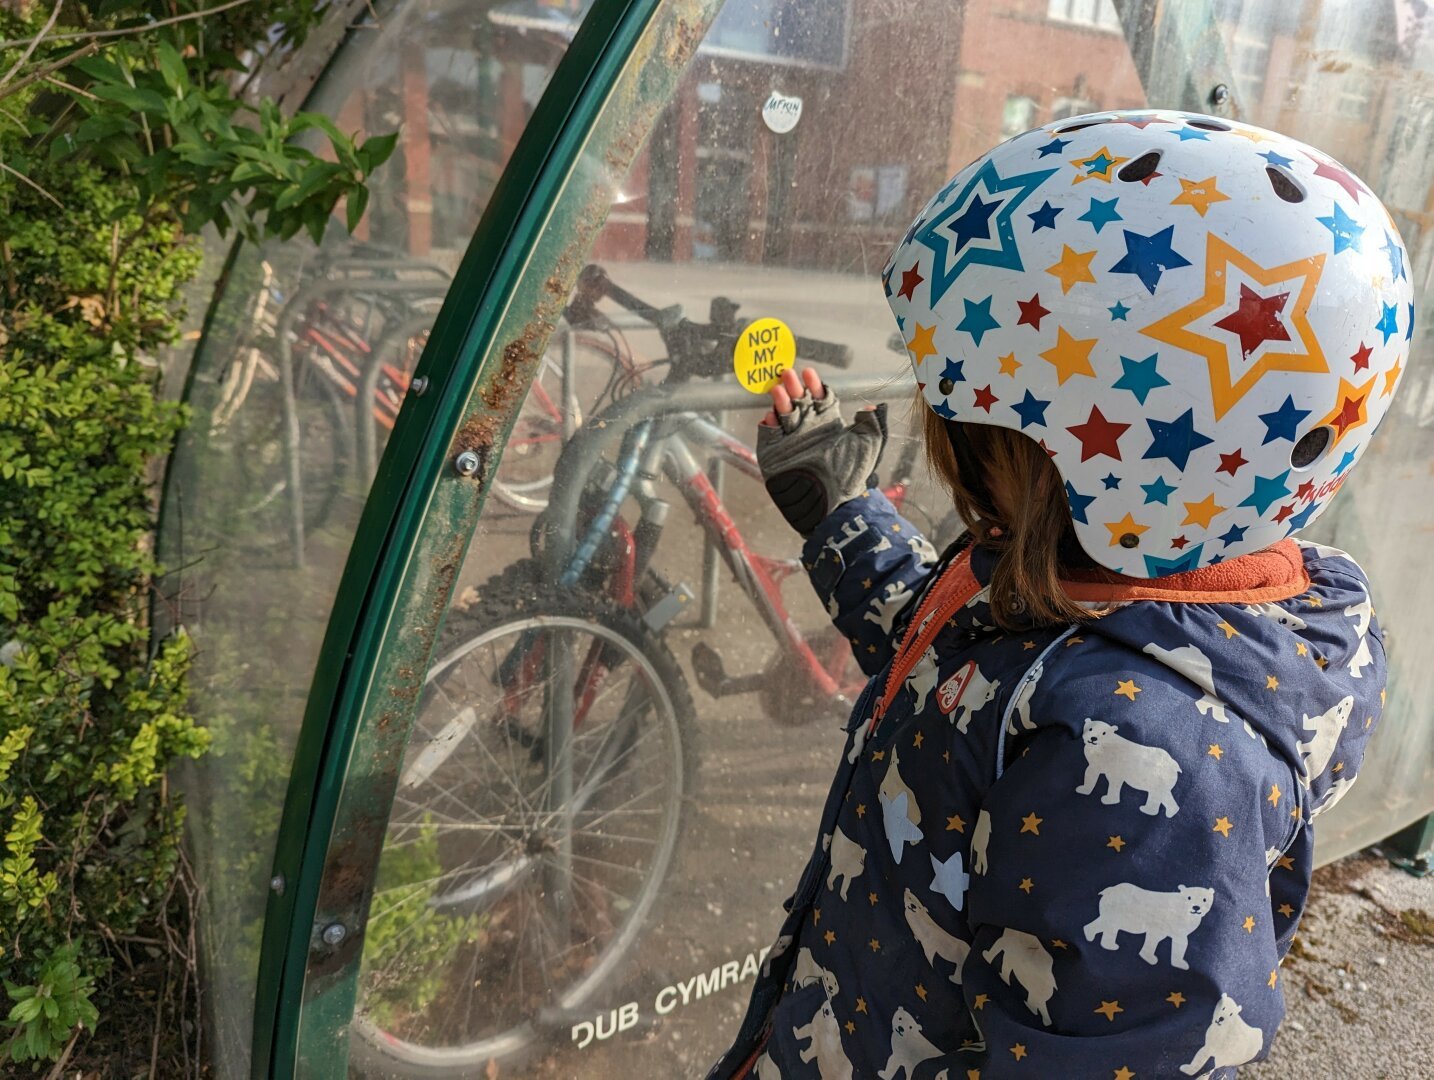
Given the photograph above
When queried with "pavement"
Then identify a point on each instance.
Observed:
(1359, 980)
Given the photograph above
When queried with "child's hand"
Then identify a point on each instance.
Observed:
(789, 388)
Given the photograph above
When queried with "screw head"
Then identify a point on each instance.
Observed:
(334, 933)
(277, 883)
(419, 385)
(1220, 95)
(466, 463)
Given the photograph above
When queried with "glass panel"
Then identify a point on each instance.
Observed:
(1353, 79)
(620, 752)
(294, 393)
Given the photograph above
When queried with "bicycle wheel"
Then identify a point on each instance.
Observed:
(538, 807)
(555, 407)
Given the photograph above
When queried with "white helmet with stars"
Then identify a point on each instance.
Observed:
(1202, 323)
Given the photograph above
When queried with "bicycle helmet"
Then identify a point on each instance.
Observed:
(1202, 322)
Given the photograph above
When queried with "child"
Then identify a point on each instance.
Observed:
(1071, 831)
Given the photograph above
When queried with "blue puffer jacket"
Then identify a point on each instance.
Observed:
(1073, 852)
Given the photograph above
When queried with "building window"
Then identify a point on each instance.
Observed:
(1097, 13)
(1353, 101)
(1062, 108)
(1249, 59)
(1019, 115)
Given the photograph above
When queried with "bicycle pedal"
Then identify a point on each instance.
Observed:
(712, 674)
(668, 608)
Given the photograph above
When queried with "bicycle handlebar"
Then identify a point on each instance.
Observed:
(824, 352)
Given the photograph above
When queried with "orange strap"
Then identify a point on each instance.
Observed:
(953, 590)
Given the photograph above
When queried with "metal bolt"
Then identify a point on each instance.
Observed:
(334, 933)
(466, 463)
(419, 385)
(1220, 95)
(276, 883)
(1130, 540)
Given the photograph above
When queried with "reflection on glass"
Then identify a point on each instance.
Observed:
(294, 393)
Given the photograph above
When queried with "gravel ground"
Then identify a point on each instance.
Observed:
(1359, 982)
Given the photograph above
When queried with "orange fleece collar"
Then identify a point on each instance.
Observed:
(1274, 573)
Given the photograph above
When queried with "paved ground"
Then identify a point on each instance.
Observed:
(1359, 982)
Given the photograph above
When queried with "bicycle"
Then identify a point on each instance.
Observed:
(549, 764)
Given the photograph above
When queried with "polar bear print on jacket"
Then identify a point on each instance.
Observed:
(1024, 956)
(1338, 790)
(980, 837)
(779, 948)
(900, 815)
(922, 679)
(972, 698)
(1278, 614)
(1326, 728)
(1362, 613)
(1124, 761)
(1228, 1040)
(922, 549)
(885, 608)
(847, 859)
(807, 971)
(1129, 909)
(909, 1048)
(1027, 690)
(825, 1036)
(934, 941)
(1362, 659)
(766, 1069)
(1195, 666)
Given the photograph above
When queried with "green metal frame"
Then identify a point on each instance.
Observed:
(420, 516)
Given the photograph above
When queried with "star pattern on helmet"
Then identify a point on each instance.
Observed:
(1098, 166)
(1179, 328)
(1149, 257)
(1346, 232)
(1351, 410)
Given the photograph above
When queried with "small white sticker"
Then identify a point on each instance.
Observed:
(781, 113)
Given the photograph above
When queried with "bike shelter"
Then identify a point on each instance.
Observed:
(519, 720)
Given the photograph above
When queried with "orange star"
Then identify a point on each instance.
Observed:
(1108, 1009)
(875, 945)
(850, 1028)
(1203, 512)
(878, 755)
(861, 809)
(816, 916)
(1057, 943)
(1177, 327)
(1073, 268)
(1301, 649)
(1070, 356)
(1285, 910)
(916, 742)
(830, 937)
(1031, 824)
(1271, 683)
(956, 823)
(1391, 377)
(1126, 688)
(1019, 1051)
(1124, 527)
(1223, 825)
(1274, 975)
(1026, 885)
(1028, 645)
(921, 991)
(1215, 751)
(1123, 1073)
(1351, 410)
(1098, 166)
(979, 1002)
(922, 344)
(1249, 924)
(871, 897)
(1273, 798)
(1176, 998)
(1115, 842)
(1199, 194)
(1230, 631)
(1285, 862)
(973, 1074)
(1009, 364)
(861, 1005)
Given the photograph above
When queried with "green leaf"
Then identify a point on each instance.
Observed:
(357, 204)
(376, 151)
(171, 68)
(131, 97)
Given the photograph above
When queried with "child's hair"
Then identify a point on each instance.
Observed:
(1035, 543)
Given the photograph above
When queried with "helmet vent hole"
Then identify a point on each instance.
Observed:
(1204, 123)
(1081, 126)
(1310, 448)
(1285, 185)
(1142, 168)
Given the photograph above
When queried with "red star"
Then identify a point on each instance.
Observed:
(1285, 511)
(1349, 412)
(1047, 449)
(1031, 312)
(1230, 463)
(909, 280)
(1305, 491)
(1142, 122)
(985, 399)
(1330, 171)
(1361, 356)
(1179, 543)
(1256, 320)
(1098, 436)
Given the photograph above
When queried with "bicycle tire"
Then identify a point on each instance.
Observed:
(510, 604)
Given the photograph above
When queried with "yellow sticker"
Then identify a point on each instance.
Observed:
(764, 350)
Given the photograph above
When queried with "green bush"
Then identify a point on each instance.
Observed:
(114, 152)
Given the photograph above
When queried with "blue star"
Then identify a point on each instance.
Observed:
(1185, 134)
(1147, 257)
(1140, 377)
(1158, 492)
(1233, 535)
(1409, 333)
(1396, 256)
(977, 319)
(1111, 481)
(1346, 461)
(1284, 422)
(1097, 166)
(1055, 146)
(957, 249)
(1216, 560)
(1031, 410)
(1175, 439)
(1045, 217)
(1277, 159)
(1188, 560)
(951, 879)
(1388, 323)
(1267, 491)
(1347, 231)
(943, 410)
(899, 829)
(974, 223)
(1101, 213)
(1078, 503)
(953, 371)
(1300, 520)
(1118, 311)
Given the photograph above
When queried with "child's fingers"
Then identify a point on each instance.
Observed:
(770, 420)
(813, 383)
(792, 384)
(781, 400)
